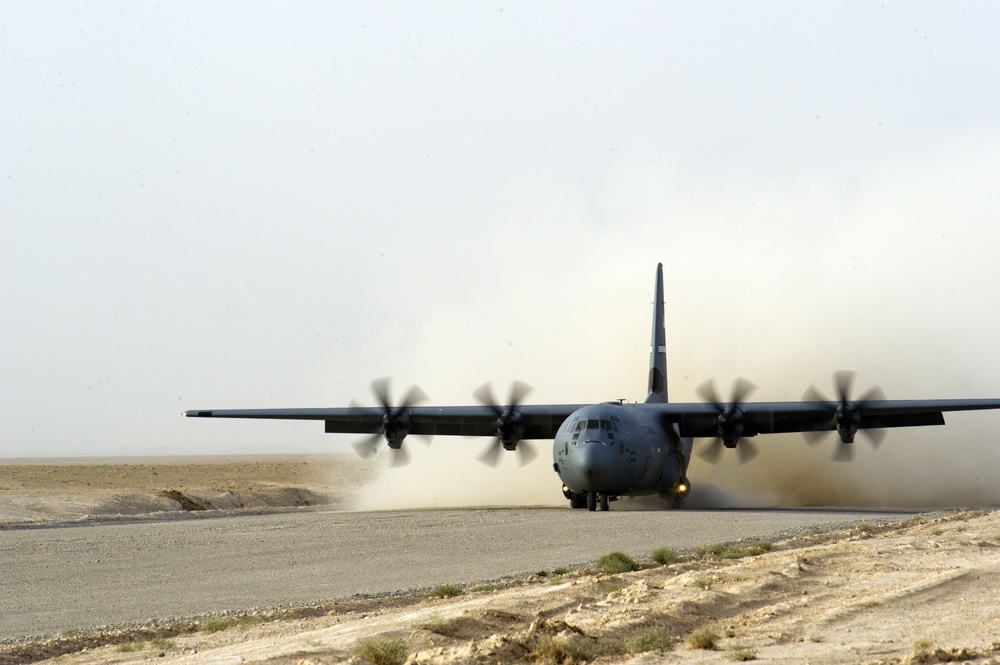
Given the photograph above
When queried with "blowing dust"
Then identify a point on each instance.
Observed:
(932, 467)
(446, 473)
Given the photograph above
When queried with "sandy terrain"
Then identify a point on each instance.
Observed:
(921, 590)
(43, 491)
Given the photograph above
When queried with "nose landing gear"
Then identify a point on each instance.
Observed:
(595, 498)
(588, 500)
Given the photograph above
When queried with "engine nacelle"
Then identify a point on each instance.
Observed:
(848, 420)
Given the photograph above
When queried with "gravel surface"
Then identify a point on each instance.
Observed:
(64, 577)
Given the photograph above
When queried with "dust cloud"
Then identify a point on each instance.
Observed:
(446, 473)
(951, 466)
(890, 277)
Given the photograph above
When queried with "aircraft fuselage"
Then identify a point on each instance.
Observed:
(612, 450)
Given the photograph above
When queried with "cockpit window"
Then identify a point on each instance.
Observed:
(600, 424)
(619, 424)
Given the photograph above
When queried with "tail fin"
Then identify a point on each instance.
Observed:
(658, 348)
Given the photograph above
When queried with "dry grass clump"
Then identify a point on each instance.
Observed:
(446, 591)
(703, 583)
(665, 556)
(653, 638)
(550, 649)
(721, 552)
(617, 562)
(216, 624)
(129, 647)
(381, 650)
(703, 639)
(558, 643)
(742, 654)
(156, 643)
(439, 626)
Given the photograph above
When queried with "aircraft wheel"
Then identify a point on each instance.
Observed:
(676, 502)
(577, 500)
(604, 501)
(591, 501)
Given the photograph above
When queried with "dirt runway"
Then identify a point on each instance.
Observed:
(61, 578)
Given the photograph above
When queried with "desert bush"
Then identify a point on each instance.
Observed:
(215, 624)
(446, 591)
(162, 643)
(439, 626)
(703, 583)
(742, 654)
(381, 650)
(129, 647)
(665, 556)
(617, 562)
(702, 639)
(721, 552)
(653, 638)
(550, 649)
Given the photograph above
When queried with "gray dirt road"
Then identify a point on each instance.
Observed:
(59, 578)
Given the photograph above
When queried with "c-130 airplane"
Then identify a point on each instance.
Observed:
(605, 451)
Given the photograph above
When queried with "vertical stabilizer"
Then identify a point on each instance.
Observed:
(658, 345)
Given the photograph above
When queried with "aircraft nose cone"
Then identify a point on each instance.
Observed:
(592, 463)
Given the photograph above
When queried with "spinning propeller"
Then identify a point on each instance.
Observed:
(510, 423)
(729, 421)
(845, 415)
(395, 423)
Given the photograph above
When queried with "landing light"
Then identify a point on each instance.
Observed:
(682, 489)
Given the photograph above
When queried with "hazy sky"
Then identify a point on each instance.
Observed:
(209, 205)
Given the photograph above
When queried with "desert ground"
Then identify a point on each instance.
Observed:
(920, 588)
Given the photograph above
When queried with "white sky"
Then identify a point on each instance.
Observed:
(212, 205)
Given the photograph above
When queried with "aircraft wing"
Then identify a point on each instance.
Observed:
(701, 419)
(694, 419)
(541, 421)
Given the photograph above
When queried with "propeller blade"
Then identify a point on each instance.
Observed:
(398, 458)
(509, 424)
(526, 452)
(413, 397)
(380, 389)
(812, 394)
(874, 394)
(518, 391)
(711, 452)
(484, 394)
(491, 456)
(747, 450)
(843, 380)
(741, 390)
(844, 452)
(707, 392)
(875, 435)
(366, 447)
(812, 438)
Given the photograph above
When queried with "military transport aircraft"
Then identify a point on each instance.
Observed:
(613, 449)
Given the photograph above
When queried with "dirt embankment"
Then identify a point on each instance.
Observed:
(43, 491)
(923, 590)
